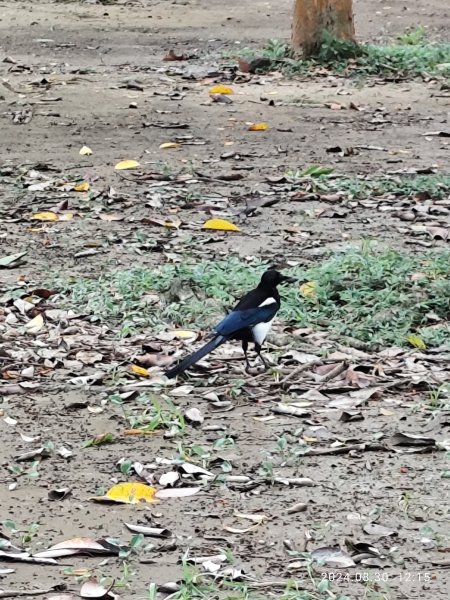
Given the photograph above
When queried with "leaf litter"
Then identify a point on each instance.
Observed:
(293, 418)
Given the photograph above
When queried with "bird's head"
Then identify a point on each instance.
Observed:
(272, 278)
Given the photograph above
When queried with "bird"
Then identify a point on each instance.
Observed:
(249, 321)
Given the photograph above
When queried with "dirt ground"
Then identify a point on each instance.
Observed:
(92, 74)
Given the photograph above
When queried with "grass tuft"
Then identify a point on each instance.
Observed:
(378, 298)
(411, 56)
(434, 186)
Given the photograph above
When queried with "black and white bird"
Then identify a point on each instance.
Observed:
(249, 321)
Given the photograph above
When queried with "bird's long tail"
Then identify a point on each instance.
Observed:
(195, 357)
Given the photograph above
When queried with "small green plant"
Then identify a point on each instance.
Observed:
(276, 50)
(224, 442)
(99, 440)
(190, 451)
(434, 186)
(158, 413)
(193, 584)
(125, 553)
(405, 501)
(411, 56)
(25, 535)
(439, 398)
(32, 473)
(333, 50)
(152, 592)
(414, 37)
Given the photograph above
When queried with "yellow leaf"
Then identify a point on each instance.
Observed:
(35, 324)
(128, 493)
(184, 334)
(126, 164)
(140, 371)
(309, 289)
(220, 225)
(65, 217)
(45, 216)
(221, 89)
(416, 341)
(258, 127)
(168, 145)
(85, 151)
(82, 187)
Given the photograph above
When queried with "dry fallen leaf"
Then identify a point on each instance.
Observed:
(220, 225)
(154, 360)
(177, 492)
(49, 215)
(183, 334)
(85, 151)
(111, 216)
(334, 105)
(332, 557)
(140, 371)
(45, 216)
(257, 519)
(93, 589)
(65, 217)
(82, 187)
(171, 56)
(126, 164)
(11, 260)
(128, 493)
(78, 545)
(35, 324)
(150, 531)
(258, 127)
(88, 357)
(168, 145)
(140, 432)
(169, 223)
(221, 89)
(309, 289)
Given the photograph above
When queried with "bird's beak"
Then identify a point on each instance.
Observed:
(286, 279)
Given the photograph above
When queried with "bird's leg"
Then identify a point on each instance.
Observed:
(245, 348)
(258, 348)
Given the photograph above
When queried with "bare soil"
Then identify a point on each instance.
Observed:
(92, 74)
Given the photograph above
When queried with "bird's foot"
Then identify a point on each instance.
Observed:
(264, 362)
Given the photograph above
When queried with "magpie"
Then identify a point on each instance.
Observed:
(249, 321)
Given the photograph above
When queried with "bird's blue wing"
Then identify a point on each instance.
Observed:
(242, 319)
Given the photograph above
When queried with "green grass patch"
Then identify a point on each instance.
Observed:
(410, 56)
(435, 186)
(400, 59)
(377, 298)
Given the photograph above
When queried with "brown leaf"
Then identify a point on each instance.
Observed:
(171, 56)
(43, 293)
(244, 65)
(442, 233)
(261, 63)
(335, 105)
(169, 223)
(154, 360)
(111, 216)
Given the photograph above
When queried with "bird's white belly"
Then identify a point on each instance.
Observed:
(260, 332)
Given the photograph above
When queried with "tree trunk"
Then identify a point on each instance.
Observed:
(313, 17)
